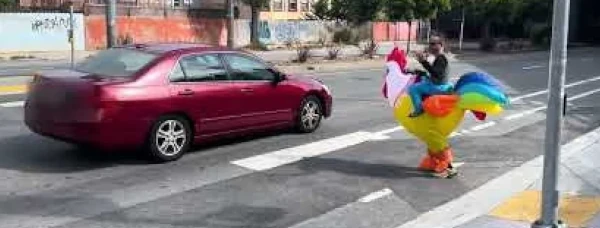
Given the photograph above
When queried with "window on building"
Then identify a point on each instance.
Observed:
(266, 7)
(177, 3)
(293, 6)
(277, 5)
(304, 6)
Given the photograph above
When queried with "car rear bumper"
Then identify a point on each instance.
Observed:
(102, 135)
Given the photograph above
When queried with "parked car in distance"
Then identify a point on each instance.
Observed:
(165, 97)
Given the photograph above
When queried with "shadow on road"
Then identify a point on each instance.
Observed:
(356, 168)
(37, 154)
(32, 153)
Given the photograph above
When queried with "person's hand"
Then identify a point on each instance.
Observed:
(420, 56)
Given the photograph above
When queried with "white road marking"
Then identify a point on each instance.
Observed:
(596, 78)
(391, 130)
(13, 104)
(532, 67)
(454, 134)
(532, 111)
(458, 164)
(483, 126)
(375, 195)
(290, 155)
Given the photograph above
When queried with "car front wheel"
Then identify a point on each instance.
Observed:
(170, 138)
(310, 115)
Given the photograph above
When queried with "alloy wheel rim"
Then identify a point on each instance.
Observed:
(170, 137)
(310, 115)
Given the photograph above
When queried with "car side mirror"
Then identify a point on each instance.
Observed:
(279, 76)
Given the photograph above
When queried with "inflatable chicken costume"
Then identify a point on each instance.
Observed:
(478, 93)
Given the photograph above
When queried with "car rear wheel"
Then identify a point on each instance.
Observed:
(310, 115)
(169, 139)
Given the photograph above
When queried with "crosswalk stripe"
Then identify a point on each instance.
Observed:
(13, 104)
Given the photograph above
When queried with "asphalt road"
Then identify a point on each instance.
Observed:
(357, 171)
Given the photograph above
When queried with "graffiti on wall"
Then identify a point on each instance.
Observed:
(40, 32)
(51, 23)
(282, 32)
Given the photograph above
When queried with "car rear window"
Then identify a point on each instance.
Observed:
(118, 62)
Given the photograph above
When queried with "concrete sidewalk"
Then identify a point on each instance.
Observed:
(513, 200)
(276, 56)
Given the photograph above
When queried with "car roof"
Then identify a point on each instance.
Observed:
(167, 48)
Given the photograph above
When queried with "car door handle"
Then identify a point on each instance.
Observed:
(247, 90)
(186, 92)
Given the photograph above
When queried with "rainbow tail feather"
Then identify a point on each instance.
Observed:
(481, 93)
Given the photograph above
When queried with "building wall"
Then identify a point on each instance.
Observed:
(145, 29)
(282, 32)
(39, 32)
(285, 11)
(282, 15)
(394, 31)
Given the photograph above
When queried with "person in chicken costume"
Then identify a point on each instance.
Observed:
(476, 92)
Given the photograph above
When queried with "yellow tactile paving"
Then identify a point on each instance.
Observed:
(576, 211)
(13, 89)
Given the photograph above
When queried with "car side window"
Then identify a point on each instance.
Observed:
(199, 68)
(248, 69)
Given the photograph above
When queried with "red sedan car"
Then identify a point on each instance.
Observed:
(168, 96)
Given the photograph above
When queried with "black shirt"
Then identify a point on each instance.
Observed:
(438, 71)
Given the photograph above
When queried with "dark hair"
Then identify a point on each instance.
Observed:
(436, 40)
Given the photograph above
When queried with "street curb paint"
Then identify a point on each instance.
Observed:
(13, 89)
(575, 210)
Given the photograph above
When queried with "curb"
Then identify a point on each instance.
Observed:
(485, 198)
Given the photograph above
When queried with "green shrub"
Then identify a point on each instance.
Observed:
(487, 44)
(540, 35)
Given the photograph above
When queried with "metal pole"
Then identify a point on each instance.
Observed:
(428, 30)
(558, 62)
(230, 23)
(111, 32)
(71, 34)
(462, 30)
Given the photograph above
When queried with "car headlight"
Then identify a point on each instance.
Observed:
(325, 87)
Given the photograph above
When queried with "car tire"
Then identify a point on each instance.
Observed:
(310, 115)
(169, 139)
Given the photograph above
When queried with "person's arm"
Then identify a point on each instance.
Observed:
(437, 71)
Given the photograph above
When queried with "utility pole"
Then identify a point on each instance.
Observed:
(111, 30)
(462, 30)
(230, 23)
(71, 34)
(554, 122)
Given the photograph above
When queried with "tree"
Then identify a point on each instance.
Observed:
(361, 11)
(402, 10)
(320, 10)
(256, 6)
(6, 4)
(491, 12)
(410, 10)
(356, 12)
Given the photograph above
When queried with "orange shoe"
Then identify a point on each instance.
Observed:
(427, 163)
(442, 160)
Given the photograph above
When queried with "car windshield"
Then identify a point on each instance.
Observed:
(118, 62)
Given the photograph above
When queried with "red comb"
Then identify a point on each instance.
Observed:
(479, 115)
(399, 57)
